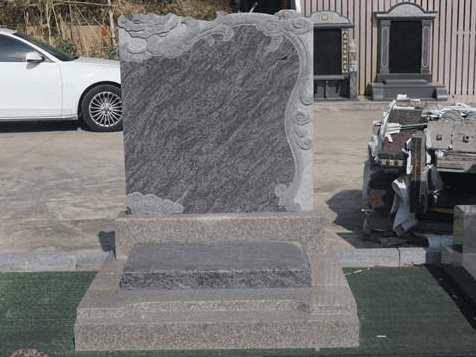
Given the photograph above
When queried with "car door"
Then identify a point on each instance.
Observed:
(28, 90)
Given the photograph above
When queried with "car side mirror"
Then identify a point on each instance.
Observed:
(34, 57)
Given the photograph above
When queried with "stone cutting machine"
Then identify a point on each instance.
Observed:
(421, 162)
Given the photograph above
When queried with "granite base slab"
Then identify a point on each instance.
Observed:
(321, 316)
(424, 90)
(302, 229)
(224, 265)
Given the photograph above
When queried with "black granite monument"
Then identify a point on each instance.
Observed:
(404, 55)
(335, 69)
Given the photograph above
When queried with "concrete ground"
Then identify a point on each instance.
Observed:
(61, 187)
(340, 149)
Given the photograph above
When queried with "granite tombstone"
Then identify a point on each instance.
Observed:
(215, 113)
(219, 247)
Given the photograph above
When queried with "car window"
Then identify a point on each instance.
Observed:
(12, 50)
(58, 53)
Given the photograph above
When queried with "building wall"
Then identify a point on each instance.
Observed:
(453, 44)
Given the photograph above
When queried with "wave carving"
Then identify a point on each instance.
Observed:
(149, 35)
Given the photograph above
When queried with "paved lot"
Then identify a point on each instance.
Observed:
(61, 187)
(340, 148)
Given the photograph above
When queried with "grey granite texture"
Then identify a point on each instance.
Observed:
(465, 227)
(322, 316)
(217, 114)
(217, 299)
(302, 229)
(224, 265)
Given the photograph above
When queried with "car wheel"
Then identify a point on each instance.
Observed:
(101, 108)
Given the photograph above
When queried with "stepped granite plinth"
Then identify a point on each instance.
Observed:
(322, 315)
(219, 247)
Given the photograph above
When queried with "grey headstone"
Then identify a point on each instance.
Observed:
(217, 114)
(226, 265)
(218, 122)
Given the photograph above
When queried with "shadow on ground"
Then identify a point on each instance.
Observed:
(454, 292)
(107, 239)
(34, 126)
(347, 204)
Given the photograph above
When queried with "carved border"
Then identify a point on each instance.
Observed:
(329, 18)
(151, 35)
(405, 10)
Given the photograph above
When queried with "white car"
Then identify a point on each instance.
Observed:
(40, 82)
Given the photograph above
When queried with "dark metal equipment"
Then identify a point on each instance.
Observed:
(421, 161)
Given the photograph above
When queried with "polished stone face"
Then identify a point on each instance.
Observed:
(227, 265)
(204, 124)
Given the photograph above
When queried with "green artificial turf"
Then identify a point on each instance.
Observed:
(401, 311)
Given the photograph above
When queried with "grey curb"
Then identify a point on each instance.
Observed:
(357, 258)
(47, 261)
(388, 257)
